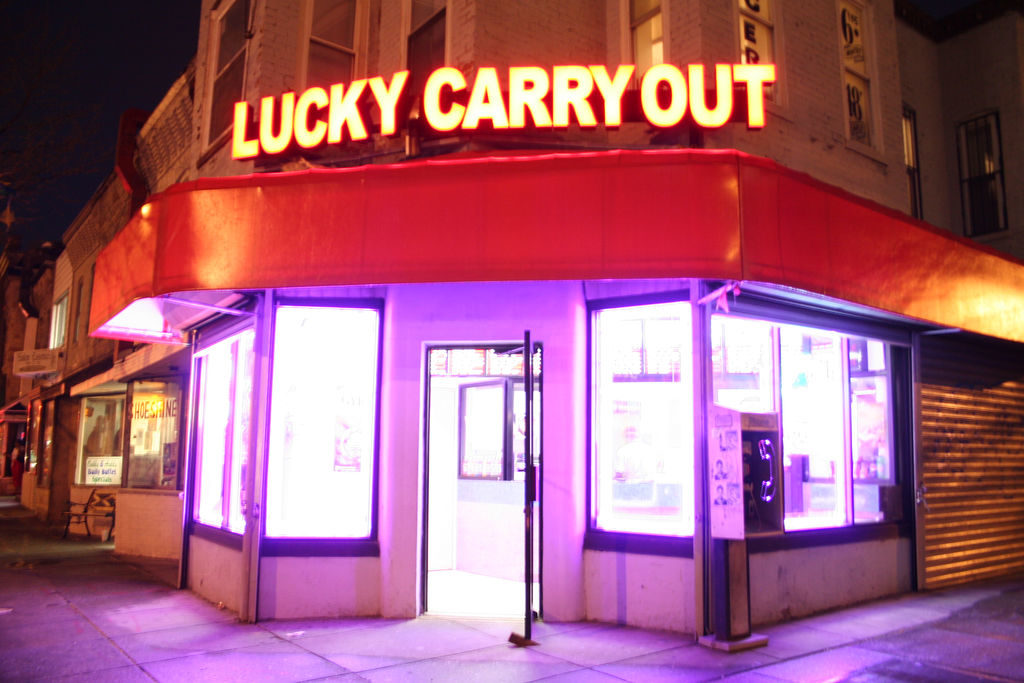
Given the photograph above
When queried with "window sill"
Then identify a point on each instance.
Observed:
(778, 109)
(222, 537)
(215, 145)
(990, 237)
(638, 544)
(812, 538)
(150, 492)
(320, 547)
(867, 151)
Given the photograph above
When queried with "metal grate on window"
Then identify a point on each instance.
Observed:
(982, 191)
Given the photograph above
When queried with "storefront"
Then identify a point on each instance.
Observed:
(13, 417)
(38, 489)
(358, 418)
(129, 422)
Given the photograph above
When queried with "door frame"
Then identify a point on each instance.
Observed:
(501, 347)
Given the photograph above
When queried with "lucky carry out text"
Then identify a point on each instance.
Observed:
(553, 100)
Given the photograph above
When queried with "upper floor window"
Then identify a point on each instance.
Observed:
(83, 299)
(911, 161)
(59, 322)
(426, 41)
(856, 79)
(332, 42)
(646, 31)
(227, 64)
(982, 192)
(756, 32)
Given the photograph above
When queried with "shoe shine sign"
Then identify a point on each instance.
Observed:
(553, 98)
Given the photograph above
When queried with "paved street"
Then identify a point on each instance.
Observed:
(70, 611)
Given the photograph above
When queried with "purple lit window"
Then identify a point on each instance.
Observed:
(323, 422)
(825, 399)
(224, 393)
(813, 419)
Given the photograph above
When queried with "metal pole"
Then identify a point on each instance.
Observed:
(529, 485)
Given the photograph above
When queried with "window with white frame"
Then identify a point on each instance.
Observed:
(229, 27)
(756, 32)
(642, 442)
(825, 401)
(59, 322)
(856, 74)
(645, 28)
(331, 57)
(323, 422)
(223, 375)
(982, 192)
(757, 35)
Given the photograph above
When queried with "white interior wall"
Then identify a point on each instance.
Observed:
(489, 529)
(444, 444)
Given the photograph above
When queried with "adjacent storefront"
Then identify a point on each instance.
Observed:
(130, 423)
(721, 358)
(13, 417)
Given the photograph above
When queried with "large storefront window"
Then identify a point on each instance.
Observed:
(153, 445)
(823, 399)
(643, 443)
(320, 479)
(99, 442)
(224, 374)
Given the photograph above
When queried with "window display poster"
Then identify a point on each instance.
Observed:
(725, 473)
(103, 471)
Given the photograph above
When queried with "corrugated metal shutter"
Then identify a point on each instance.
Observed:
(972, 451)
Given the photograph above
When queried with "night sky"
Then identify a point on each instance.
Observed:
(69, 69)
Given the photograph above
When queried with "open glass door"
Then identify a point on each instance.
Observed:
(531, 441)
(474, 559)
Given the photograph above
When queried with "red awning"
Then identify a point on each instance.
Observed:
(625, 214)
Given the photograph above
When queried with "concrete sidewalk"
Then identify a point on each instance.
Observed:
(70, 610)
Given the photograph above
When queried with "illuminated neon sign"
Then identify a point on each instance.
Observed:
(450, 103)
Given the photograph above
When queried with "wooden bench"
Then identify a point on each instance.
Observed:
(96, 505)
